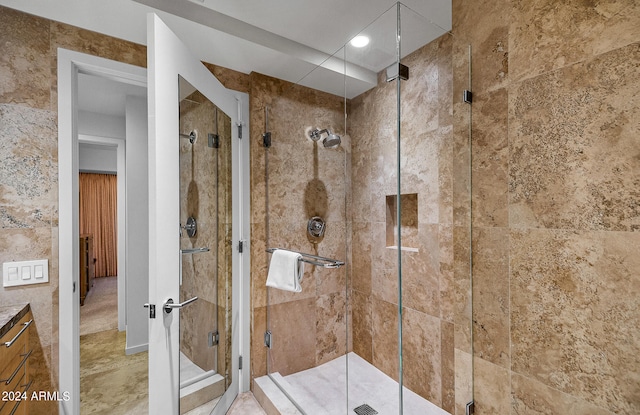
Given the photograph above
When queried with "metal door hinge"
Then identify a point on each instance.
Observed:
(152, 310)
(240, 246)
(239, 130)
(214, 338)
(467, 96)
(267, 339)
(471, 408)
(240, 362)
(214, 140)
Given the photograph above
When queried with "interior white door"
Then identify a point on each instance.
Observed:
(167, 60)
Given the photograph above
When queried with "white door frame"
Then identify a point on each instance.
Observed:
(120, 146)
(70, 64)
(167, 59)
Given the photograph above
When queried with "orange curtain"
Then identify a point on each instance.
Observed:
(98, 217)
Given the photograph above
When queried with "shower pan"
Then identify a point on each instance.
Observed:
(389, 332)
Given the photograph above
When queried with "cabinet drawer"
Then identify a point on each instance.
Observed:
(15, 372)
(11, 397)
(16, 337)
(14, 356)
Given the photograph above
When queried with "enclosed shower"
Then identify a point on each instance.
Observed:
(379, 169)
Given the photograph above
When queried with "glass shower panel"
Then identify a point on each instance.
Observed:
(205, 229)
(410, 297)
(396, 196)
(374, 285)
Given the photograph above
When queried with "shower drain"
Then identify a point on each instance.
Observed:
(365, 409)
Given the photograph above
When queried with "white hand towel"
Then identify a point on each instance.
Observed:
(285, 271)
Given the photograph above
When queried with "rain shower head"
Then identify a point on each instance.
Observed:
(330, 141)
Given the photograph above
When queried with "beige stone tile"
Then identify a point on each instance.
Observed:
(447, 366)
(246, 404)
(421, 273)
(93, 43)
(619, 30)
(462, 288)
(331, 327)
(490, 152)
(361, 318)
(574, 302)
(445, 176)
(577, 30)
(361, 258)
(461, 165)
(385, 285)
(259, 265)
(110, 380)
(293, 326)
(533, 397)
(445, 79)
(385, 346)
(446, 283)
(485, 26)
(573, 146)
(25, 59)
(419, 94)
(362, 192)
(196, 321)
(231, 79)
(491, 388)
(463, 381)
(422, 355)
(29, 138)
(491, 313)
(258, 349)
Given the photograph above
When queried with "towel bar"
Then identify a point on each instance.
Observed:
(315, 259)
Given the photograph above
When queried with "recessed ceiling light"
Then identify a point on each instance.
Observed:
(359, 41)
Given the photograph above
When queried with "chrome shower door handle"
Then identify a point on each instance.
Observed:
(170, 305)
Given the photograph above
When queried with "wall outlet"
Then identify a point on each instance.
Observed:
(25, 272)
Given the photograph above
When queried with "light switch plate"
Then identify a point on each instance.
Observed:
(25, 272)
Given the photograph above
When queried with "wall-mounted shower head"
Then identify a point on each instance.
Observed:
(330, 141)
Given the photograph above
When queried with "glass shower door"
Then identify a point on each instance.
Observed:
(205, 218)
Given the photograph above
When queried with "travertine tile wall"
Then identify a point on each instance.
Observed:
(292, 181)
(555, 203)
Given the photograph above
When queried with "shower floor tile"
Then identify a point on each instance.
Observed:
(322, 390)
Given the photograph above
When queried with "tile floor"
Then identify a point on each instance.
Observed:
(100, 309)
(112, 383)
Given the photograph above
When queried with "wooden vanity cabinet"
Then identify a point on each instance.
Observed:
(14, 367)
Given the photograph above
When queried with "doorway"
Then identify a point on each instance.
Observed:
(75, 128)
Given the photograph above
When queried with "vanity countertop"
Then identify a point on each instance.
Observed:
(10, 315)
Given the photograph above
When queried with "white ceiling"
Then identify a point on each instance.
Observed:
(105, 96)
(286, 39)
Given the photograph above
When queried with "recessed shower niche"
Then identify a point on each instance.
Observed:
(409, 221)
